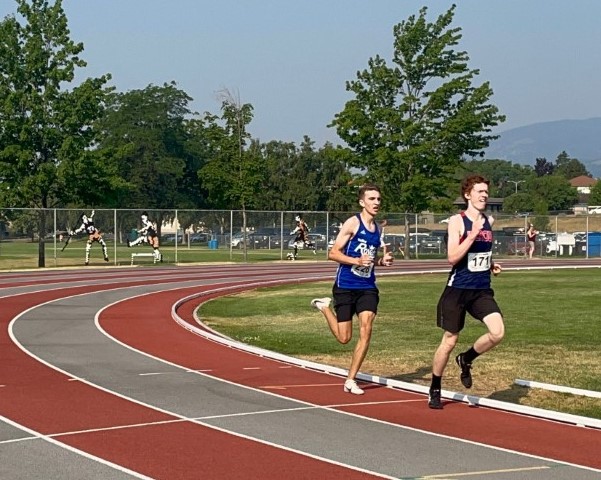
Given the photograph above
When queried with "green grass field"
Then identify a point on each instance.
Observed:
(23, 254)
(552, 333)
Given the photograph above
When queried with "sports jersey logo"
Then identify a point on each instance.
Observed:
(484, 236)
(364, 248)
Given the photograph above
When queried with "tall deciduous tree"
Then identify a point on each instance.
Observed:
(234, 175)
(43, 126)
(569, 167)
(411, 123)
(543, 167)
(146, 132)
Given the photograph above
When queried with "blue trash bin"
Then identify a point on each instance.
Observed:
(213, 244)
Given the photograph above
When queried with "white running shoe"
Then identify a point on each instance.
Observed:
(321, 303)
(350, 386)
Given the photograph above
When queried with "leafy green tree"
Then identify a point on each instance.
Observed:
(46, 129)
(543, 167)
(555, 191)
(595, 195)
(233, 176)
(501, 174)
(569, 167)
(412, 123)
(338, 186)
(518, 202)
(145, 132)
(278, 160)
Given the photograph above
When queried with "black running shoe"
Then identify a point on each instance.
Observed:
(434, 400)
(466, 375)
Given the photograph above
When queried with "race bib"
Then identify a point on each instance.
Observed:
(363, 272)
(478, 261)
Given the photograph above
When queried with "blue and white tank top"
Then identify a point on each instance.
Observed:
(473, 270)
(356, 277)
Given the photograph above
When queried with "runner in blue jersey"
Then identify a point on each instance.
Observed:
(355, 291)
(468, 290)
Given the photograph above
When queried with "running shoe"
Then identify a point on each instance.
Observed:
(321, 303)
(466, 375)
(434, 400)
(350, 386)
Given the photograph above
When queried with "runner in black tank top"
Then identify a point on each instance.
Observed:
(469, 251)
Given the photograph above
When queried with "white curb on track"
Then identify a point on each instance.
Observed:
(557, 388)
(459, 397)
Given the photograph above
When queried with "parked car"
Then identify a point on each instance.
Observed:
(170, 239)
(238, 240)
(261, 238)
(431, 244)
(394, 242)
(200, 237)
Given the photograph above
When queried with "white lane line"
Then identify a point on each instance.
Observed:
(484, 472)
(48, 438)
(284, 387)
(251, 368)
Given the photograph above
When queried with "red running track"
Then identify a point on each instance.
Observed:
(76, 406)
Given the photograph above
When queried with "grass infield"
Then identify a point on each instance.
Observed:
(553, 333)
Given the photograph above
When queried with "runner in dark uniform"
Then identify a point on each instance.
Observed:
(468, 289)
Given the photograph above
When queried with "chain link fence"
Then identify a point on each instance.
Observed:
(30, 238)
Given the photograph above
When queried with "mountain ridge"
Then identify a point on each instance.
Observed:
(580, 139)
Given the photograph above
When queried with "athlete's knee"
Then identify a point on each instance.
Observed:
(497, 336)
(496, 328)
(449, 341)
(345, 332)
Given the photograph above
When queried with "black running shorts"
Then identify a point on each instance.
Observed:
(350, 302)
(455, 302)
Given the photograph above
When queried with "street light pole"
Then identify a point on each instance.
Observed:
(515, 182)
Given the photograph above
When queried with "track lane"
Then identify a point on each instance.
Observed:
(259, 378)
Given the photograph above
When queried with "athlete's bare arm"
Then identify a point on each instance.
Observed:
(348, 230)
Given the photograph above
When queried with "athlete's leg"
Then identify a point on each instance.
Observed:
(443, 352)
(342, 331)
(366, 320)
(104, 249)
(88, 248)
(494, 336)
(137, 241)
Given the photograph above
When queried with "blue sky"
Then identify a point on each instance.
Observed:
(291, 59)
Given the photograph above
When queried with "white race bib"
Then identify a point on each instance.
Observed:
(363, 272)
(478, 261)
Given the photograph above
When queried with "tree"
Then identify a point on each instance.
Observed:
(541, 195)
(411, 124)
(569, 167)
(44, 127)
(145, 130)
(501, 173)
(595, 195)
(543, 167)
(234, 175)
